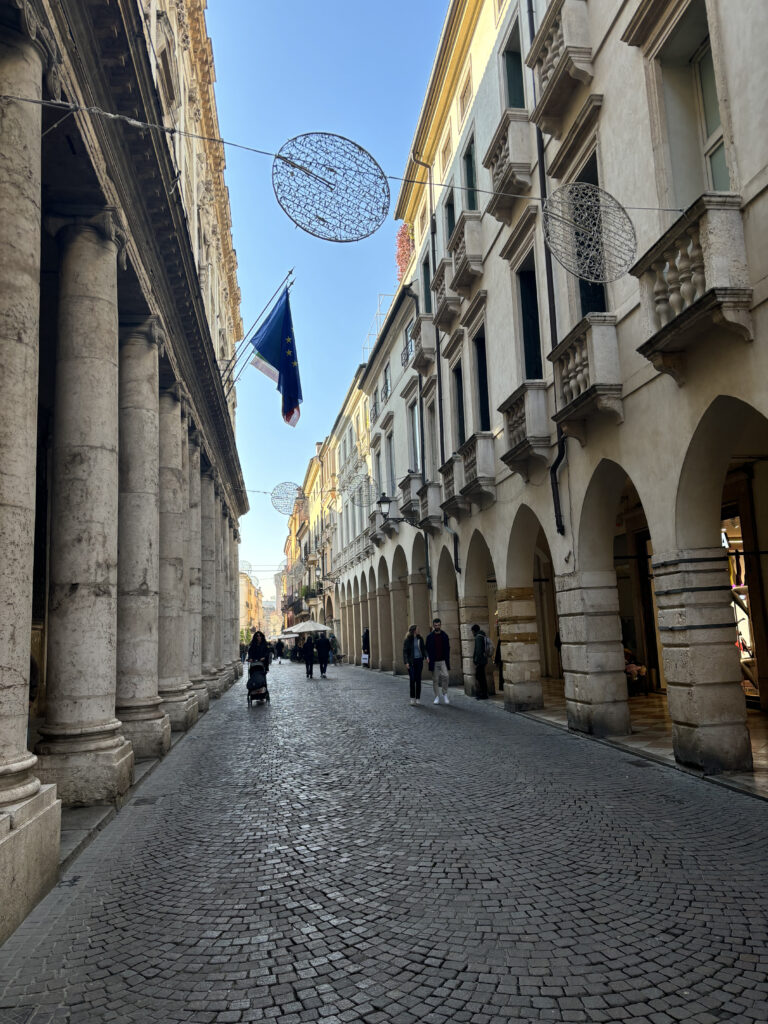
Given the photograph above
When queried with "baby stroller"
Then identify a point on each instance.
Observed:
(257, 683)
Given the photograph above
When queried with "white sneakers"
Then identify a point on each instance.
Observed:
(437, 699)
(445, 699)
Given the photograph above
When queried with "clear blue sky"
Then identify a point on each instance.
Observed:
(355, 68)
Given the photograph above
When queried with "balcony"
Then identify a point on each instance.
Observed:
(694, 283)
(447, 303)
(561, 57)
(587, 375)
(390, 528)
(509, 159)
(409, 489)
(479, 459)
(466, 247)
(374, 412)
(430, 512)
(526, 427)
(423, 344)
(377, 534)
(454, 504)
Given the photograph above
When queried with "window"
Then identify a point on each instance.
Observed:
(414, 438)
(470, 177)
(426, 281)
(450, 215)
(458, 402)
(407, 344)
(377, 472)
(465, 98)
(591, 294)
(422, 222)
(481, 368)
(529, 318)
(446, 153)
(432, 441)
(711, 126)
(513, 71)
(389, 446)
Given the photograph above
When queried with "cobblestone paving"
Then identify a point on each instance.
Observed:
(339, 856)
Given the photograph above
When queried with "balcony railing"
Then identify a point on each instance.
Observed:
(561, 56)
(509, 159)
(407, 352)
(466, 247)
(430, 512)
(527, 426)
(447, 303)
(694, 280)
(386, 391)
(587, 375)
(479, 461)
(454, 503)
(374, 412)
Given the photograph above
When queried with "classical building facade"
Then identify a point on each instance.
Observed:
(580, 468)
(252, 615)
(120, 484)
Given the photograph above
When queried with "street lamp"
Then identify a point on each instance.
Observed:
(384, 503)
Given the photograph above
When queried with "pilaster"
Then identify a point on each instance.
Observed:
(398, 605)
(519, 639)
(387, 653)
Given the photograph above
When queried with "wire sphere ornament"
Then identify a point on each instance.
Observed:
(330, 187)
(589, 232)
(363, 491)
(296, 571)
(284, 497)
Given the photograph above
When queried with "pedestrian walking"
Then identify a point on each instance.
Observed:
(480, 660)
(308, 652)
(366, 659)
(413, 656)
(439, 660)
(498, 662)
(258, 649)
(323, 648)
(334, 648)
(279, 650)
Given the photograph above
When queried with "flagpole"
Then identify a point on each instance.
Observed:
(242, 347)
(246, 360)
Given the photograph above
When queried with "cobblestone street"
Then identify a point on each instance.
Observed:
(340, 856)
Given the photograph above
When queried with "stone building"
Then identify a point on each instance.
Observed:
(584, 464)
(120, 484)
(251, 603)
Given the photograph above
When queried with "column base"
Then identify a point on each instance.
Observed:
(200, 689)
(213, 685)
(609, 719)
(713, 748)
(150, 737)
(86, 776)
(29, 855)
(181, 709)
(527, 696)
(226, 679)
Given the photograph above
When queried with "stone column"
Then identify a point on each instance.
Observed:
(194, 560)
(208, 564)
(341, 636)
(83, 748)
(235, 590)
(418, 594)
(384, 621)
(29, 813)
(373, 629)
(138, 705)
(224, 615)
(179, 702)
(21, 74)
(701, 661)
(357, 631)
(592, 653)
(399, 619)
(218, 664)
(519, 639)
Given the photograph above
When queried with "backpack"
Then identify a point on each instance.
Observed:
(488, 648)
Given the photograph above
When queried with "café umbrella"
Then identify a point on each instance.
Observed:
(308, 627)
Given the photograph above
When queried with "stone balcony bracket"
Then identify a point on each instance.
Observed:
(409, 489)
(527, 427)
(479, 462)
(466, 247)
(446, 302)
(560, 55)
(423, 336)
(376, 520)
(454, 503)
(509, 160)
(430, 511)
(694, 283)
(587, 375)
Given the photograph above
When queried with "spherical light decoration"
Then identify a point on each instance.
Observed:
(284, 497)
(589, 232)
(362, 491)
(330, 187)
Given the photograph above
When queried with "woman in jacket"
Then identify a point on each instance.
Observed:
(258, 649)
(413, 656)
(308, 650)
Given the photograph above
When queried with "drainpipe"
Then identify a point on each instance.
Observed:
(408, 289)
(561, 448)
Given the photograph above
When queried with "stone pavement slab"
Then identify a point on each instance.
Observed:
(341, 856)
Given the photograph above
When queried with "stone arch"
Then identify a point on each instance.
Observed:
(385, 617)
(477, 605)
(328, 612)
(527, 616)
(399, 605)
(447, 610)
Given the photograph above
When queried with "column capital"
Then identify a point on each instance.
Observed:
(26, 18)
(147, 327)
(195, 438)
(178, 391)
(105, 221)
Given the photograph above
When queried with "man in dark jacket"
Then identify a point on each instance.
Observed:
(480, 659)
(308, 651)
(439, 660)
(323, 648)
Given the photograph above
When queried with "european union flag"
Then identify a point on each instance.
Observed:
(275, 355)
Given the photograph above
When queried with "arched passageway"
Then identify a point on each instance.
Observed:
(384, 617)
(419, 604)
(372, 621)
(356, 623)
(447, 610)
(477, 606)
(399, 607)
